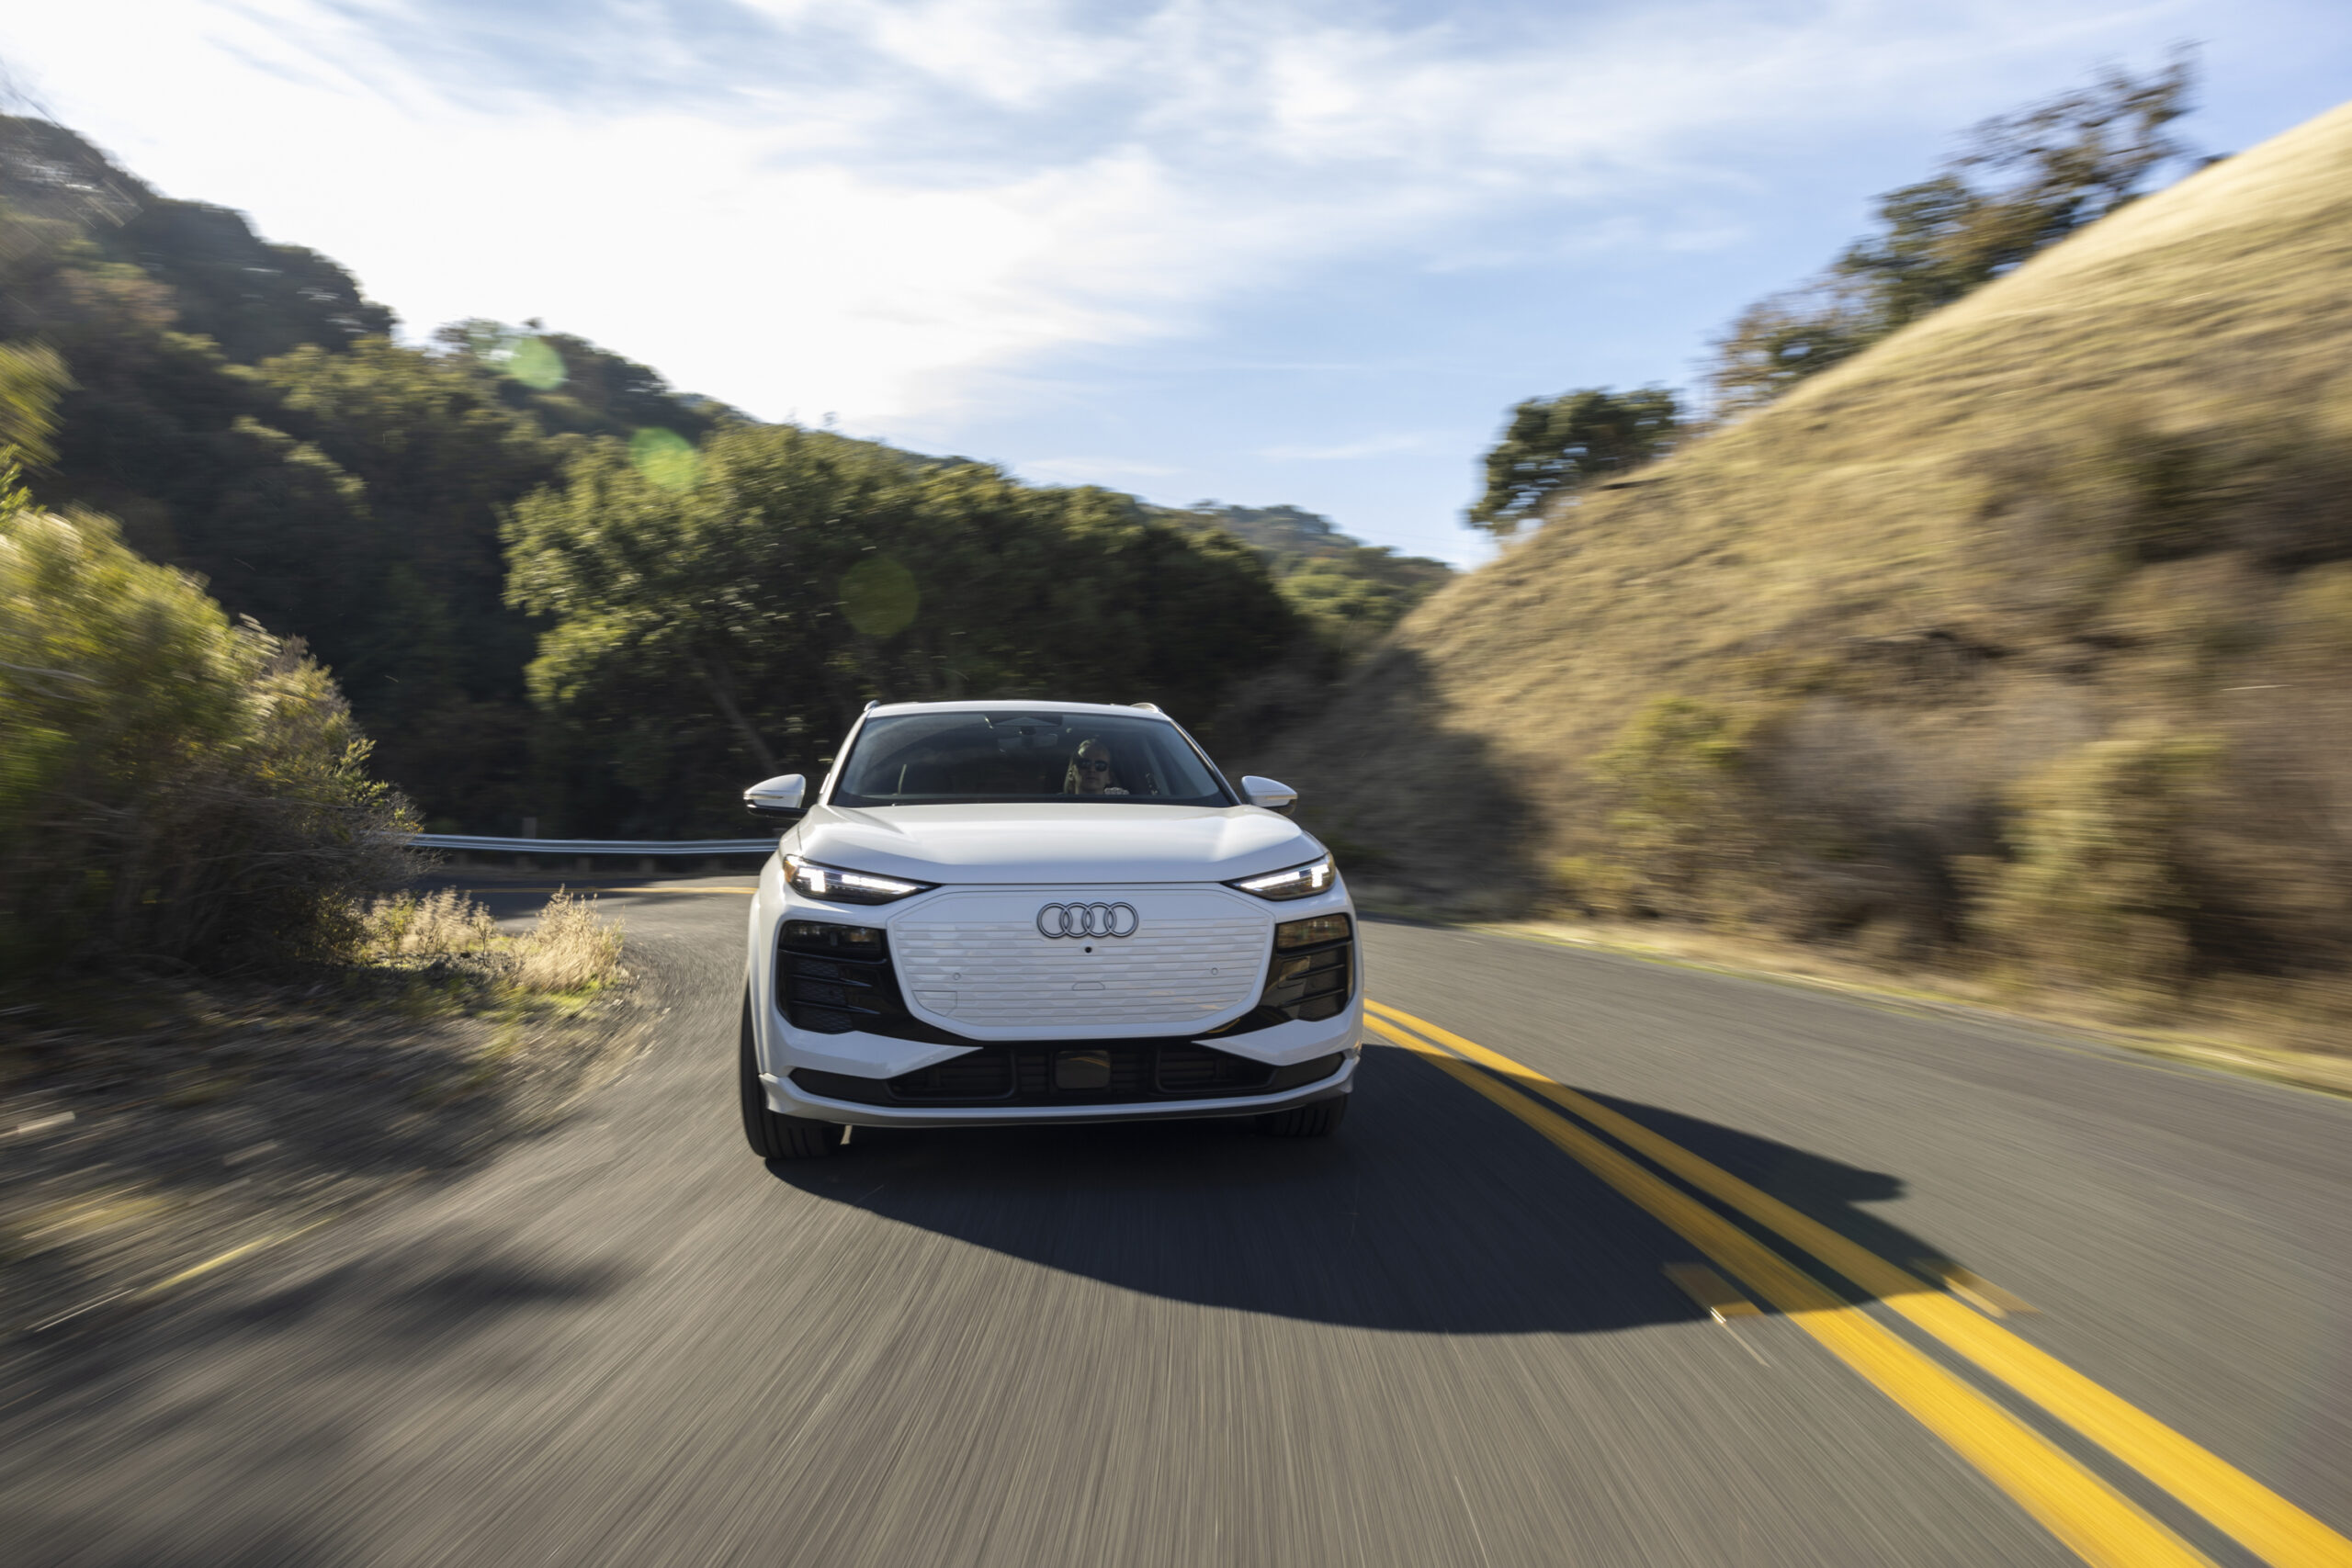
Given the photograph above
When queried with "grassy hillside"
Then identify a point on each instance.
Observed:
(2026, 632)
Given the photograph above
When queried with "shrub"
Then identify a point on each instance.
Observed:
(2095, 887)
(2318, 611)
(173, 786)
(1687, 829)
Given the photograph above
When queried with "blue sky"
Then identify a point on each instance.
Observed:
(1281, 251)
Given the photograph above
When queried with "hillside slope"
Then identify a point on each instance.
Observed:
(2103, 500)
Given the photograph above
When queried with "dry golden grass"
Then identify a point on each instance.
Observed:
(570, 948)
(439, 924)
(2112, 490)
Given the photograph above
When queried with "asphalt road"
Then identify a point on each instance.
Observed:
(1437, 1340)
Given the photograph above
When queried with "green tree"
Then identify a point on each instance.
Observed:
(1554, 446)
(2021, 183)
(700, 635)
(30, 379)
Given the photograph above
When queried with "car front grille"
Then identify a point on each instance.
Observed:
(980, 959)
(1111, 1072)
(833, 977)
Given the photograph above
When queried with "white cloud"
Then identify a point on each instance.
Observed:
(881, 207)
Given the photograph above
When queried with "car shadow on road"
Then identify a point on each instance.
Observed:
(1432, 1211)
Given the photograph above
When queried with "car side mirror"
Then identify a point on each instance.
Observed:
(1269, 794)
(778, 796)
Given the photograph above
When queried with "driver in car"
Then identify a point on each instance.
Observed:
(1091, 772)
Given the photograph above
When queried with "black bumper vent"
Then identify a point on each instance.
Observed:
(832, 978)
(1310, 981)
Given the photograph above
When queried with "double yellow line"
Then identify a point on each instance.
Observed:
(2097, 1522)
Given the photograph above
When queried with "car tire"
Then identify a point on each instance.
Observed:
(773, 1136)
(1319, 1120)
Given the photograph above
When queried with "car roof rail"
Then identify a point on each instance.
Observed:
(1148, 708)
(871, 705)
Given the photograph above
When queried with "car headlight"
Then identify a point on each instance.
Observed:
(1298, 882)
(836, 885)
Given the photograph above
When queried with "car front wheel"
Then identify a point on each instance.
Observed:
(773, 1136)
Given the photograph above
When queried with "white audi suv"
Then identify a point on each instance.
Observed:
(1005, 912)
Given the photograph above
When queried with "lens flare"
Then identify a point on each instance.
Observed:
(880, 596)
(534, 362)
(665, 457)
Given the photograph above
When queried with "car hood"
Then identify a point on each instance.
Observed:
(1055, 842)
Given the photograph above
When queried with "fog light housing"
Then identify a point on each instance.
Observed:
(833, 939)
(1311, 933)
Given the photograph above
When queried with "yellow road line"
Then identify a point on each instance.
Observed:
(2098, 1523)
(1711, 1291)
(222, 1259)
(1973, 1287)
(2265, 1523)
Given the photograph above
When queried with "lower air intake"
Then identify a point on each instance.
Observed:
(1116, 1072)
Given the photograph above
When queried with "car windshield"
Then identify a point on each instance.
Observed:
(919, 759)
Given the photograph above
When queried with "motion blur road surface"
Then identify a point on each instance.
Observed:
(1436, 1339)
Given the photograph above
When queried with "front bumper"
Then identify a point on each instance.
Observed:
(789, 1099)
(873, 1060)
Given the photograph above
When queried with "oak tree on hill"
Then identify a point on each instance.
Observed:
(1557, 444)
(2021, 183)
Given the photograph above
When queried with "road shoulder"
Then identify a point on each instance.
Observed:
(154, 1131)
(2213, 1047)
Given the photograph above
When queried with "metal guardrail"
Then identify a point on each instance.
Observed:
(478, 845)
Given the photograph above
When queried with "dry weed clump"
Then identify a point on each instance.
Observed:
(444, 924)
(572, 948)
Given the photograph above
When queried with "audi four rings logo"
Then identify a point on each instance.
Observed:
(1057, 920)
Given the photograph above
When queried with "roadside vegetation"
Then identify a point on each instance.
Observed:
(215, 1024)
(176, 789)
(2010, 649)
